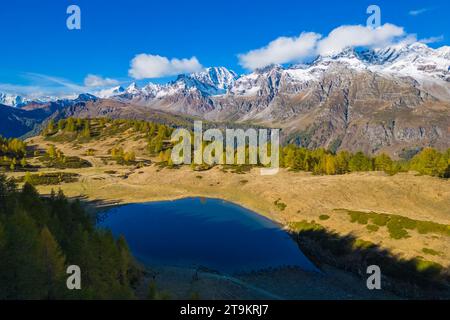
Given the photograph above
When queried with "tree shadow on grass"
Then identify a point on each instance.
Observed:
(412, 279)
(96, 208)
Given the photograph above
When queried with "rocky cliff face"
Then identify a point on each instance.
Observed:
(343, 109)
(380, 101)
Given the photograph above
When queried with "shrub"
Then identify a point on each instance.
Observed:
(280, 205)
(430, 268)
(304, 225)
(90, 152)
(380, 219)
(363, 244)
(431, 252)
(359, 217)
(372, 228)
(425, 227)
(397, 225)
(48, 178)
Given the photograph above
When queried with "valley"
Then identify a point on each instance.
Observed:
(224, 155)
(365, 162)
(299, 201)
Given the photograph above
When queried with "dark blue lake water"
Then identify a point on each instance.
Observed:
(210, 233)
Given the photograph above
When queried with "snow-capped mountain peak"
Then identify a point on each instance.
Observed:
(347, 52)
(108, 93)
(444, 52)
(13, 100)
(348, 57)
(133, 89)
(117, 91)
(218, 77)
(415, 60)
(393, 53)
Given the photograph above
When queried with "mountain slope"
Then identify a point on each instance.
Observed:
(386, 100)
(380, 100)
(16, 122)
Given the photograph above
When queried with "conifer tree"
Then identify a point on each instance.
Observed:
(53, 261)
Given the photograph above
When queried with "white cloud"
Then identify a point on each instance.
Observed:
(281, 50)
(419, 11)
(146, 66)
(297, 49)
(432, 39)
(20, 89)
(44, 80)
(39, 85)
(359, 36)
(93, 80)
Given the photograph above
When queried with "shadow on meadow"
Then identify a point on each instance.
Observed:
(413, 279)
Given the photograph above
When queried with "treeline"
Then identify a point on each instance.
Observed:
(322, 162)
(157, 135)
(40, 237)
(70, 125)
(48, 179)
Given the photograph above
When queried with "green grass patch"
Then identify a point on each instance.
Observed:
(425, 227)
(398, 226)
(396, 231)
(428, 267)
(380, 220)
(304, 225)
(363, 244)
(372, 227)
(358, 217)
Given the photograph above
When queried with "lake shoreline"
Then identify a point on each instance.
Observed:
(214, 233)
(99, 209)
(305, 197)
(319, 256)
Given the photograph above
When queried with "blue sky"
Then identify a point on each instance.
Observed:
(38, 52)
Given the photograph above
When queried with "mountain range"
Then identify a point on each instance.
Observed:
(392, 100)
